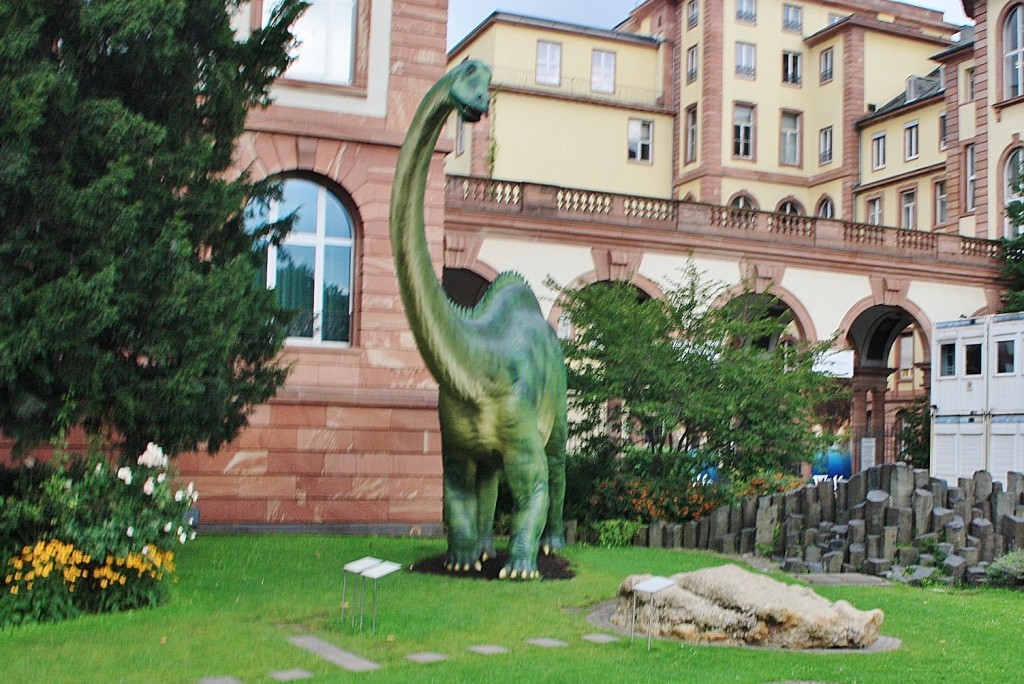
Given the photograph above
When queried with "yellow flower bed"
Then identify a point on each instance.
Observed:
(50, 556)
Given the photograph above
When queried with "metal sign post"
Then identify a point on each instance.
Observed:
(650, 587)
(355, 567)
(375, 573)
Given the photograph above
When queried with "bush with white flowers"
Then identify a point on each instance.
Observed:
(80, 535)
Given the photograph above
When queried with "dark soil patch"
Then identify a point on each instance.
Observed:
(551, 568)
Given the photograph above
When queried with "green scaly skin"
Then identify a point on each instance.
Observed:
(499, 366)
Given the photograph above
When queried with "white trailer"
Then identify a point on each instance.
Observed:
(978, 396)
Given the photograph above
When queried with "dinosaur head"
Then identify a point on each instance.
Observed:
(469, 89)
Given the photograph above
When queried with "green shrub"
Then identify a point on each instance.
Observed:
(1007, 571)
(81, 535)
(616, 534)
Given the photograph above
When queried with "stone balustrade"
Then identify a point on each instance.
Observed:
(559, 204)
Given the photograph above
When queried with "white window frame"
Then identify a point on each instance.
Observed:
(1010, 194)
(826, 208)
(878, 151)
(970, 85)
(602, 71)
(826, 65)
(640, 141)
(691, 135)
(319, 241)
(1013, 53)
(789, 138)
(692, 64)
(746, 60)
(908, 209)
(792, 18)
(326, 36)
(825, 145)
(460, 135)
(970, 178)
(746, 11)
(942, 130)
(549, 63)
(911, 141)
(692, 13)
(792, 67)
(874, 211)
(743, 131)
(941, 202)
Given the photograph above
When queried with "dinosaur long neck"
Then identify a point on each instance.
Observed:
(439, 331)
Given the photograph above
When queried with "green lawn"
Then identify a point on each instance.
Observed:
(239, 598)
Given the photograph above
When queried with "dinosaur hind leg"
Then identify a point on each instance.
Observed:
(553, 538)
(460, 512)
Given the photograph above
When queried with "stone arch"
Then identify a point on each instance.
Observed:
(790, 201)
(743, 195)
(641, 282)
(871, 328)
(824, 200)
(801, 318)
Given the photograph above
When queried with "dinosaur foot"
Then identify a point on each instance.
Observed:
(523, 570)
(462, 562)
(550, 543)
(464, 567)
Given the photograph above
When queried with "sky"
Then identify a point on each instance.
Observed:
(465, 15)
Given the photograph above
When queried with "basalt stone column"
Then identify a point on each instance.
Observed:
(1001, 504)
(1015, 486)
(827, 500)
(983, 530)
(875, 504)
(982, 484)
(921, 478)
(690, 529)
(1013, 532)
(901, 485)
(656, 534)
(767, 519)
(922, 503)
(903, 520)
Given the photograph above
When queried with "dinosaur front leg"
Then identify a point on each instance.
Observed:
(487, 480)
(460, 512)
(528, 480)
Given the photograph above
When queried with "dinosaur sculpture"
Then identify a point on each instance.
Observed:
(499, 366)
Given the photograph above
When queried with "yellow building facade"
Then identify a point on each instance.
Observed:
(763, 115)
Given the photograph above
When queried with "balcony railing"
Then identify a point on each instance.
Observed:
(548, 206)
(622, 93)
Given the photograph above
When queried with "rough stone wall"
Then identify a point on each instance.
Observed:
(890, 520)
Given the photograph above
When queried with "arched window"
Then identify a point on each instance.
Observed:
(742, 201)
(790, 207)
(311, 270)
(826, 208)
(1013, 53)
(1012, 182)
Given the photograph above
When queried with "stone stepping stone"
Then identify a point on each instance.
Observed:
(292, 675)
(219, 680)
(545, 642)
(330, 652)
(488, 649)
(425, 657)
(600, 638)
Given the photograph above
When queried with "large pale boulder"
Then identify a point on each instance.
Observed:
(730, 605)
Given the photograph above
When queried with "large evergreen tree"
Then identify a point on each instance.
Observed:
(129, 301)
